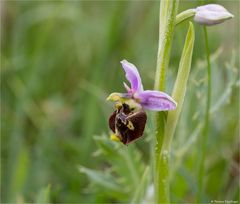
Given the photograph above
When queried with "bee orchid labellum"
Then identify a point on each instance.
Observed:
(127, 124)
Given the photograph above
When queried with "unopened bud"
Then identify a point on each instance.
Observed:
(211, 14)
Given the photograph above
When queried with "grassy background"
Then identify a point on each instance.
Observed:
(60, 60)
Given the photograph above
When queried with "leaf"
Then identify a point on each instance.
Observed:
(140, 191)
(43, 195)
(125, 160)
(180, 85)
(20, 172)
(125, 173)
(104, 180)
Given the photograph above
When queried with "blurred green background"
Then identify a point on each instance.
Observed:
(59, 62)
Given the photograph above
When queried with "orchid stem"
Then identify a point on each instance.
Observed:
(206, 126)
(168, 12)
(183, 16)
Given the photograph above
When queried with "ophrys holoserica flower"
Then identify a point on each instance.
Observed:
(129, 119)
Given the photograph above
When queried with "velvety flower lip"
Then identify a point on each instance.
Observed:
(148, 99)
(211, 14)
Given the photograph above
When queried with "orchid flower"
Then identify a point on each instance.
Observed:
(129, 119)
(148, 99)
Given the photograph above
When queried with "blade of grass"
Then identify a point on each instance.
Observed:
(43, 195)
(142, 186)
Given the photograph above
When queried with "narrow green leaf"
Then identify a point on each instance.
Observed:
(180, 86)
(140, 191)
(43, 195)
(20, 172)
(178, 94)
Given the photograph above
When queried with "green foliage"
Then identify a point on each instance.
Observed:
(180, 86)
(43, 195)
(59, 61)
(178, 94)
(124, 175)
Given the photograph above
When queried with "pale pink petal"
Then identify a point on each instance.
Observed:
(132, 76)
(211, 14)
(156, 100)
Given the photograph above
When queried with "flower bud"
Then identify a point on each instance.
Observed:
(211, 14)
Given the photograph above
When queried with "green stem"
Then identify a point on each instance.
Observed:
(206, 126)
(168, 11)
(166, 27)
(184, 15)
